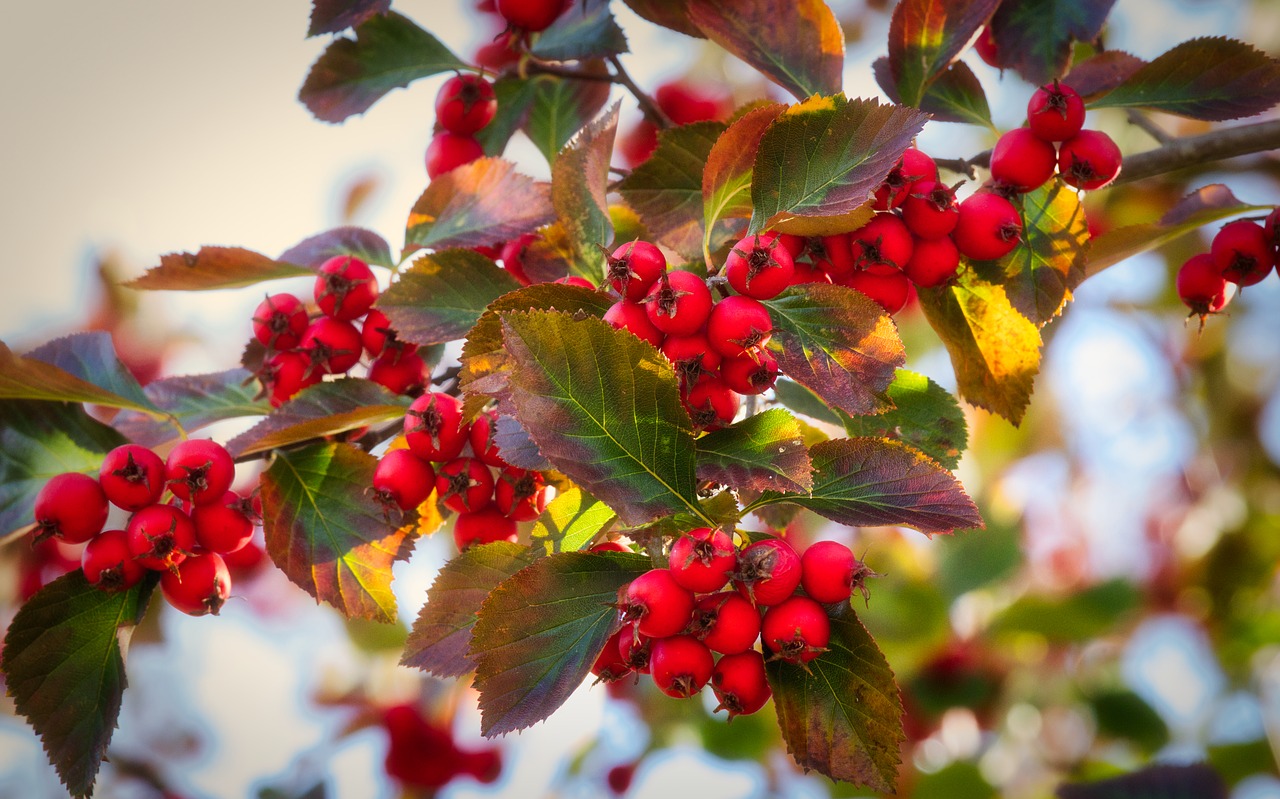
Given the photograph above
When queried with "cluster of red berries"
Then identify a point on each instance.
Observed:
(1243, 252)
(513, 21)
(302, 350)
(1054, 140)
(423, 754)
(674, 619)
(489, 495)
(464, 106)
(184, 537)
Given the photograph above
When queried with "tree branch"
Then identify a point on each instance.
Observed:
(1215, 146)
(647, 105)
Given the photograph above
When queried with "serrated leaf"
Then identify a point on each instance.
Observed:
(82, 367)
(1161, 781)
(673, 14)
(516, 446)
(803, 401)
(1102, 72)
(824, 156)
(192, 402)
(585, 29)
(443, 295)
(579, 192)
(957, 96)
(604, 408)
(477, 204)
(838, 343)
(994, 349)
(441, 634)
(730, 166)
(326, 535)
(334, 16)
(214, 268)
(797, 44)
(63, 665)
(539, 632)
(925, 415)
(571, 521)
(866, 482)
(356, 241)
(325, 409)
(842, 715)
(389, 52)
(1213, 79)
(762, 452)
(37, 441)
(1035, 36)
(514, 96)
(822, 225)
(666, 190)
(926, 36)
(560, 107)
(1047, 265)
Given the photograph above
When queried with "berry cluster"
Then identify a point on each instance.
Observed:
(184, 536)
(1243, 252)
(465, 105)
(489, 495)
(1054, 140)
(675, 620)
(423, 754)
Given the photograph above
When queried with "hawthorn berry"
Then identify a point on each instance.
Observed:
(400, 373)
(914, 165)
(132, 477)
(678, 303)
(986, 48)
(1201, 286)
(70, 506)
(710, 403)
(609, 665)
(740, 683)
(513, 254)
(691, 356)
(989, 227)
(575, 280)
(609, 546)
(1022, 161)
(108, 564)
(831, 254)
(797, 629)
(378, 337)
(892, 291)
(1055, 112)
(632, 317)
(448, 151)
(738, 325)
(1271, 227)
(530, 15)
(481, 437)
(680, 665)
(933, 262)
(403, 479)
(633, 268)
(199, 471)
(160, 536)
(199, 586)
(520, 493)
(465, 104)
(703, 559)
(827, 570)
(279, 321)
(929, 212)
(483, 526)
(726, 622)
(287, 373)
(333, 345)
(753, 373)
(768, 572)
(657, 604)
(1241, 252)
(223, 526)
(345, 288)
(884, 244)
(434, 428)
(759, 267)
(634, 647)
(1089, 160)
(464, 484)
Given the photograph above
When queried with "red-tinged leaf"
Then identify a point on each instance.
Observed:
(1048, 264)
(539, 632)
(515, 444)
(579, 192)
(326, 535)
(994, 349)
(356, 241)
(1035, 36)
(335, 16)
(585, 29)
(1211, 78)
(442, 296)
(63, 664)
(925, 415)
(441, 635)
(926, 36)
(763, 452)
(560, 107)
(726, 178)
(1161, 781)
(214, 268)
(570, 522)
(838, 343)
(673, 14)
(389, 52)
(841, 713)
(867, 482)
(191, 402)
(1203, 206)
(82, 367)
(604, 408)
(1100, 73)
(477, 204)
(325, 409)
(825, 155)
(666, 190)
(797, 44)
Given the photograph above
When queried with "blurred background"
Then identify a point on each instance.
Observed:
(1122, 607)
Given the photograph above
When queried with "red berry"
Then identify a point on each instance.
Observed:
(1271, 227)
(634, 648)
(989, 227)
(530, 15)
(680, 665)
(108, 564)
(465, 104)
(448, 151)
(710, 403)
(740, 683)
(609, 665)
(930, 211)
(678, 303)
(1202, 287)
(199, 585)
(985, 46)
(892, 291)
(520, 494)
(827, 571)
(1089, 160)
(726, 622)
(199, 470)
(434, 428)
(1022, 161)
(403, 479)
(72, 507)
(280, 321)
(483, 526)
(758, 267)
(753, 373)
(333, 345)
(513, 253)
(1055, 112)
(399, 373)
(933, 262)
(609, 546)
(575, 280)
(703, 559)
(691, 356)
(287, 373)
(738, 325)
(658, 604)
(632, 317)
(484, 445)
(464, 484)
(633, 268)
(223, 526)
(1241, 252)
(832, 254)
(884, 244)
(132, 477)
(379, 338)
(160, 536)
(685, 103)
(345, 288)
(768, 572)
(797, 629)
(913, 166)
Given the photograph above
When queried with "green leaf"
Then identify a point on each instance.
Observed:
(389, 52)
(441, 635)
(730, 166)
(514, 96)
(957, 96)
(443, 295)
(325, 409)
(82, 367)
(842, 716)
(1049, 262)
(1213, 79)
(1081, 616)
(1123, 714)
(585, 29)
(866, 482)
(326, 535)
(826, 155)
(335, 16)
(604, 408)
(803, 401)
(355, 241)
(967, 562)
(1035, 36)
(560, 108)
(192, 402)
(579, 192)
(479, 203)
(539, 632)
(571, 521)
(37, 441)
(214, 268)
(63, 665)
(994, 349)
(836, 342)
(666, 190)
(924, 415)
(797, 44)
(673, 14)
(926, 36)
(764, 452)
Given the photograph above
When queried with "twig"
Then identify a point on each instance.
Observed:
(1141, 120)
(1216, 146)
(647, 105)
(533, 66)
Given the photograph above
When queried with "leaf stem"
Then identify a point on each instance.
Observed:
(647, 104)
(1194, 150)
(1148, 126)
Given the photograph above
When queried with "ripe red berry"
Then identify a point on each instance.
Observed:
(1022, 161)
(680, 665)
(464, 484)
(108, 564)
(513, 255)
(738, 325)
(223, 526)
(448, 151)
(678, 303)
(913, 166)
(726, 622)
(832, 254)
(658, 604)
(434, 428)
(1089, 160)
(379, 338)
(633, 268)
(483, 526)
(753, 373)
(70, 506)
(710, 403)
(345, 288)
(199, 585)
(632, 317)
(465, 104)
(933, 262)
(768, 572)
(403, 479)
(334, 346)
(703, 559)
(892, 291)
(686, 103)
(691, 356)
(740, 683)
(287, 373)
(759, 267)
(160, 536)
(1202, 287)
(1241, 252)
(989, 227)
(132, 477)
(199, 470)
(280, 321)
(884, 244)
(484, 445)
(609, 665)
(930, 211)
(1271, 228)
(827, 571)
(575, 280)
(986, 48)
(797, 629)
(530, 15)
(400, 373)
(609, 546)
(634, 647)
(1055, 112)
(520, 493)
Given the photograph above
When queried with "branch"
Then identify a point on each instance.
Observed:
(650, 108)
(1216, 146)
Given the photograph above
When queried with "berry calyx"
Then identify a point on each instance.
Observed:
(132, 477)
(434, 428)
(678, 303)
(199, 471)
(70, 506)
(657, 604)
(740, 683)
(465, 104)
(703, 559)
(1089, 160)
(1055, 112)
(279, 321)
(199, 586)
(797, 629)
(160, 537)
(738, 325)
(333, 345)
(930, 211)
(379, 338)
(345, 288)
(989, 227)
(884, 244)
(691, 356)
(520, 493)
(1241, 252)
(680, 665)
(464, 484)
(758, 267)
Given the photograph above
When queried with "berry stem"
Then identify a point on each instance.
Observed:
(1148, 126)
(647, 103)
